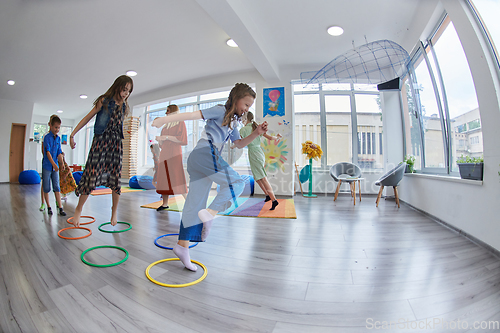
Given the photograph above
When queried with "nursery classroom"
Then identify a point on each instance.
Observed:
(374, 110)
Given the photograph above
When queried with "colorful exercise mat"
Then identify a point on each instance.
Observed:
(244, 206)
(105, 190)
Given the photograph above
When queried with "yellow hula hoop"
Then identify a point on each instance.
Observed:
(176, 285)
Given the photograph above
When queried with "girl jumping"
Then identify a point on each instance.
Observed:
(205, 166)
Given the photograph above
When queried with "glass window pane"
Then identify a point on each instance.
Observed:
(64, 133)
(433, 131)
(191, 133)
(162, 105)
(152, 133)
(365, 87)
(185, 100)
(218, 95)
(368, 103)
(336, 86)
(460, 93)
(305, 87)
(338, 129)
(306, 103)
(338, 103)
(412, 127)
(39, 130)
(369, 118)
(307, 124)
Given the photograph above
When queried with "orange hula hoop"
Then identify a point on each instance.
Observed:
(90, 217)
(84, 236)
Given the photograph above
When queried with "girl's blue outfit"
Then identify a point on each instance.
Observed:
(205, 166)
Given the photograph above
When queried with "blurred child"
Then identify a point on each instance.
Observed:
(66, 181)
(42, 206)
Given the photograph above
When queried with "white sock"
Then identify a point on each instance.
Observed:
(207, 220)
(183, 254)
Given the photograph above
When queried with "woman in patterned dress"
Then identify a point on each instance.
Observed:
(171, 178)
(104, 163)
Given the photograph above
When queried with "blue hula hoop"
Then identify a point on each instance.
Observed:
(170, 248)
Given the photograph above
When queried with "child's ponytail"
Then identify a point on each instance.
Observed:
(251, 119)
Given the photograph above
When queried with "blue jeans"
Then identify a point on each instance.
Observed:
(47, 175)
(205, 167)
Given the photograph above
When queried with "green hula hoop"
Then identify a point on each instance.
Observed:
(104, 246)
(115, 231)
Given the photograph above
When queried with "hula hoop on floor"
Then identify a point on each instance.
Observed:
(82, 223)
(205, 272)
(104, 246)
(170, 248)
(115, 231)
(73, 238)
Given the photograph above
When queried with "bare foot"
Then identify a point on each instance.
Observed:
(76, 218)
(114, 220)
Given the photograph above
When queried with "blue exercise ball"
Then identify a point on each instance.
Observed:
(29, 177)
(77, 175)
(145, 182)
(134, 183)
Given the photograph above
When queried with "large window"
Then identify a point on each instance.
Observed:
(486, 12)
(344, 119)
(440, 104)
(39, 131)
(434, 155)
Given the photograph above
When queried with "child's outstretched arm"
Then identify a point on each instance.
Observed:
(261, 129)
(160, 121)
(272, 138)
(84, 122)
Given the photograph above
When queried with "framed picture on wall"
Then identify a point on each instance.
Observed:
(274, 102)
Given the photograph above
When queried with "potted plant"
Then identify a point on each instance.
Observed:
(410, 163)
(470, 167)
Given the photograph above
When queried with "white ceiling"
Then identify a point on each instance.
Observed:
(56, 50)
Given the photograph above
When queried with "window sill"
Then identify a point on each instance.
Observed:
(445, 178)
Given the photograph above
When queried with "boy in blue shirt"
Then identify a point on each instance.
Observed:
(52, 153)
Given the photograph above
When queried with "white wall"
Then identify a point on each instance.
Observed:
(13, 112)
(464, 204)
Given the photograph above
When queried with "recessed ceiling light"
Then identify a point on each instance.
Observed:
(335, 31)
(131, 73)
(83, 96)
(231, 43)
(59, 111)
(11, 82)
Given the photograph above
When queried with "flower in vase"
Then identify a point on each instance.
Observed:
(312, 150)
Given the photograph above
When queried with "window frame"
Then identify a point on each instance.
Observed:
(421, 50)
(352, 92)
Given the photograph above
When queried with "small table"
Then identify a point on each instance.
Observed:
(352, 184)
